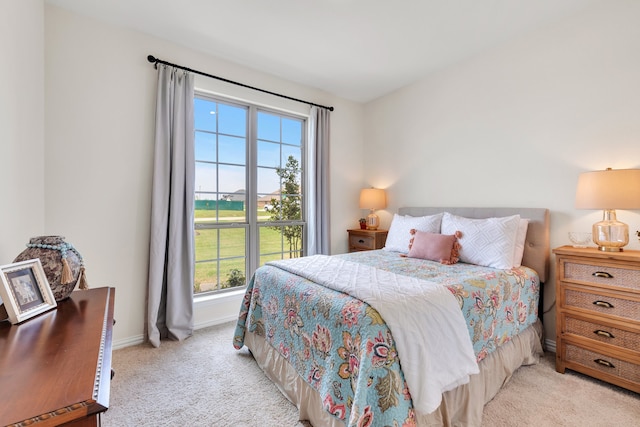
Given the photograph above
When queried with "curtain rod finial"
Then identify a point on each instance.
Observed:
(151, 58)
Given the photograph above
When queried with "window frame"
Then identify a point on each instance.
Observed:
(250, 222)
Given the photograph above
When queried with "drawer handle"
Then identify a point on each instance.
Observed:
(603, 304)
(603, 333)
(603, 274)
(604, 363)
(360, 241)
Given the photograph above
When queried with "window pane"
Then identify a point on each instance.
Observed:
(205, 210)
(232, 120)
(232, 243)
(284, 239)
(289, 151)
(205, 277)
(232, 150)
(291, 207)
(205, 177)
(270, 241)
(268, 127)
(232, 178)
(204, 113)
(272, 257)
(232, 273)
(291, 131)
(206, 243)
(232, 208)
(205, 146)
(268, 181)
(268, 154)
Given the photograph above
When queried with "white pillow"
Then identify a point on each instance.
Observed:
(490, 242)
(520, 238)
(399, 236)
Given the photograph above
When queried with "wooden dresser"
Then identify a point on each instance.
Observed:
(598, 314)
(366, 240)
(55, 368)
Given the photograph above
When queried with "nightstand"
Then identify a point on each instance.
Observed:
(598, 314)
(366, 240)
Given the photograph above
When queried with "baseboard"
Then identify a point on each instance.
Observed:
(139, 339)
(214, 322)
(127, 342)
(550, 346)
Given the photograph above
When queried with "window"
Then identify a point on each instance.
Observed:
(248, 190)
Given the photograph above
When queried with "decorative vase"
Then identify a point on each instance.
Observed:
(62, 264)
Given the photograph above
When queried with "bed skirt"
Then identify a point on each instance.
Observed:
(461, 406)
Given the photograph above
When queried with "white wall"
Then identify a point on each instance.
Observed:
(21, 125)
(517, 125)
(100, 97)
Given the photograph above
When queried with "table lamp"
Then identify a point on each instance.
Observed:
(609, 190)
(372, 199)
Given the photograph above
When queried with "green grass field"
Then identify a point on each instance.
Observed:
(231, 247)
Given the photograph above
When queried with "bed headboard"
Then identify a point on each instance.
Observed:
(536, 247)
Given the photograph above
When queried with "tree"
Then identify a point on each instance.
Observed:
(289, 205)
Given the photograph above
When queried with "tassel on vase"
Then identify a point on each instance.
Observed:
(67, 277)
(82, 279)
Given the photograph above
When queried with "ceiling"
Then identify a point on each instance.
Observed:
(355, 49)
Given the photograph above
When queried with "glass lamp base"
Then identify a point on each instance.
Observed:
(373, 222)
(610, 234)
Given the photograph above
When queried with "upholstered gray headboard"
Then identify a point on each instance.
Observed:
(536, 248)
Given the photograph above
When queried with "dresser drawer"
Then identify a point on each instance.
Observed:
(603, 363)
(362, 242)
(602, 275)
(597, 303)
(603, 333)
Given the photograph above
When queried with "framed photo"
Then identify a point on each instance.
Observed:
(25, 290)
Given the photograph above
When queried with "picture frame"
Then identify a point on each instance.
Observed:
(25, 290)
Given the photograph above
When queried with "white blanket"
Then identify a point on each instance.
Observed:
(425, 320)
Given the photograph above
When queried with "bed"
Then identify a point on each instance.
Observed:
(334, 356)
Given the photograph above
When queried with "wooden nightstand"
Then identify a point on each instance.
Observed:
(366, 240)
(598, 314)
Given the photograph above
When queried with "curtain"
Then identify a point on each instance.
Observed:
(171, 247)
(318, 237)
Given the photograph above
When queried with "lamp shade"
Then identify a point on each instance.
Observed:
(609, 189)
(373, 198)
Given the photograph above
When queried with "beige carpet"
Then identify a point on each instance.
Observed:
(205, 382)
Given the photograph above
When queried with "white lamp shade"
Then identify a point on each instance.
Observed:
(373, 198)
(609, 189)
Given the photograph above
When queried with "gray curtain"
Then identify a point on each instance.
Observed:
(318, 237)
(171, 257)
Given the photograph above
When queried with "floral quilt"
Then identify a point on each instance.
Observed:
(343, 349)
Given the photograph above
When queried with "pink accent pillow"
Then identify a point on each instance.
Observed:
(435, 247)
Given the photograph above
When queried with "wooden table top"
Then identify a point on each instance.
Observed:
(56, 366)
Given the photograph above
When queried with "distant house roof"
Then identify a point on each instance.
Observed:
(268, 197)
(236, 196)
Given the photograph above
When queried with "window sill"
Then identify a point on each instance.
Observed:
(217, 298)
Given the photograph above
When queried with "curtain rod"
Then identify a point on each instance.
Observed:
(157, 61)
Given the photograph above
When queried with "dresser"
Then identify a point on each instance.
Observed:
(55, 368)
(366, 240)
(598, 314)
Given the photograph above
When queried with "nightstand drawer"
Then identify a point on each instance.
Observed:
(362, 242)
(603, 363)
(602, 304)
(603, 333)
(602, 275)
(366, 240)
